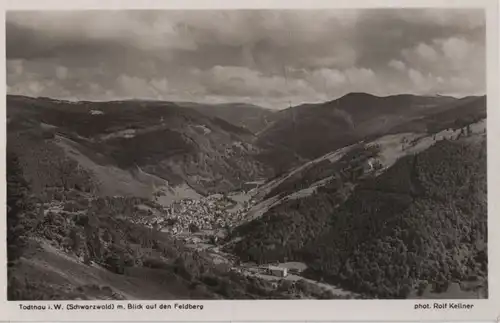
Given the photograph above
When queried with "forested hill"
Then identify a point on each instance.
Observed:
(420, 224)
(178, 145)
(249, 116)
(309, 131)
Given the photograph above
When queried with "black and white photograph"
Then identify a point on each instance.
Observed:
(246, 154)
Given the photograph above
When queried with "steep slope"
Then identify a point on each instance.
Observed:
(67, 244)
(52, 272)
(178, 146)
(249, 116)
(424, 221)
(365, 231)
(309, 131)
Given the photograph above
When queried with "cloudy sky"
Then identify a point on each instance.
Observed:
(265, 57)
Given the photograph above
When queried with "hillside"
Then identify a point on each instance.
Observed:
(68, 244)
(309, 131)
(123, 140)
(104, 197)
(366, 231)
(249, 116)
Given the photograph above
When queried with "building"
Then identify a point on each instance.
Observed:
(277, 271)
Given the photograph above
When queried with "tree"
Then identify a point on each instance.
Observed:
(193, 228)
(75, 240)
(377, 165)
(18, 208)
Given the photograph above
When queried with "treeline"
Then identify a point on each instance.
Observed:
(423, 222)
(20, 210)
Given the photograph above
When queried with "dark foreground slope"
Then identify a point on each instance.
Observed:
(67, 244)
(422, 222)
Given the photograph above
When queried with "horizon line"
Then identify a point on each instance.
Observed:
(239, 102)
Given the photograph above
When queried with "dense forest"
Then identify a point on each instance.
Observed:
(423, 221)
(178, 144)
(317, 129)
(349, 167)
(285, 229)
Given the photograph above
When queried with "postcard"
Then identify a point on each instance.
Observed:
(277, 161)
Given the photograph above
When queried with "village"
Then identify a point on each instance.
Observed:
(195, 217)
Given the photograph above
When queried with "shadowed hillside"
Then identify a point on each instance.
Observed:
(308, 131)
(421, 222)
(176, 144)
(251, 117)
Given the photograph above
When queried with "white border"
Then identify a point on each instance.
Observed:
(293, 310)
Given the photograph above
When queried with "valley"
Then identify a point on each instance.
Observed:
(187, 205)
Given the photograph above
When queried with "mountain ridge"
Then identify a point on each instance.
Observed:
(129, 135)
(312, 130)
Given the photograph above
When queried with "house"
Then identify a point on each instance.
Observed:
(372, 164)
(277, 271)
(96, 112)
(369, 165)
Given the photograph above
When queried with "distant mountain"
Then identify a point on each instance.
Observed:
(453, 115)
(174, 145)
(308, 131)
(249, 116)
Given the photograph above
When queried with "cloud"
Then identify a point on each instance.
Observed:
(426, 52)
(457, 50)
(421, 54)
(418, 79)
(61, 72)
(137, 87)
(243, 54)
(242, 81)
(327, 78)
(396, 64)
